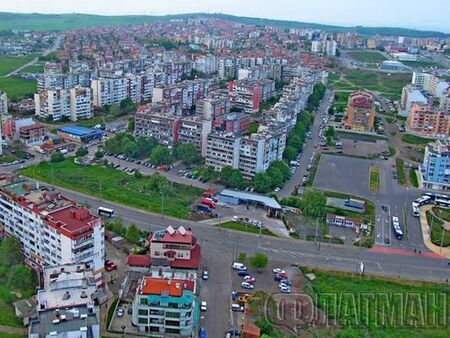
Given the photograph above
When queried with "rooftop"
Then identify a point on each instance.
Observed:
(169, 287)
(171, 235)
(78, 130)
(267, 201)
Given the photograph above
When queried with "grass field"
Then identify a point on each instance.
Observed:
(423, 64)
(442, 213)
(116, 186)
(242, 227)
(374, 179)
(400, 168)
(19, 88)
(10, 63)
(413, 139)
(438, 234)
(10, 335)
(33, 69)
(367, 57)
(368, 306)
(413, 178)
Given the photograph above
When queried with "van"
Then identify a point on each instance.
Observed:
(237, 308)
(238, 266)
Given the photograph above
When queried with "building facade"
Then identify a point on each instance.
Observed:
(427, 120)
(360, 114)
(435, 168)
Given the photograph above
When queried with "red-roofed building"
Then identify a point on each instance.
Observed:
(176, 248)
(360, 112)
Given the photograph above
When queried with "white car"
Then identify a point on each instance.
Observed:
(277, 189)
(285, 289)
(237, 308)
(278, 270)
(203, 306)
(246, 285)
(120, 313)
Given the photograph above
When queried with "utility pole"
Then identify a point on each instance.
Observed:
(100, 187)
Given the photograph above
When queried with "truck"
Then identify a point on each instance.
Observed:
(209, 203)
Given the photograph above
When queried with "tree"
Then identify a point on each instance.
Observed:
(208, 173)
(231, 177)
(21, 278)
(160, 155)
(330, 132)
(262, 182)
(117, 227)
(10, 252)
(282, 167)
(290, 153)
(81, 152)
(133, 234)
(187, 152)
(99, 154)
(56, 157)
(259, 261)
(313, 204)
(131, 124)
(242, 257)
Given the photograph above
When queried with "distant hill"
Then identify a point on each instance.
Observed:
(53, 22)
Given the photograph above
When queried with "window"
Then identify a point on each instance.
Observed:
(142, 320)
(172, 315)
(142, 312)
(144, 301)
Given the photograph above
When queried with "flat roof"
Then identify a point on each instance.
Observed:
(245, 196)
(78, 130)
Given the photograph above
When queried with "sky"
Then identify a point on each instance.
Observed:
(417, 14)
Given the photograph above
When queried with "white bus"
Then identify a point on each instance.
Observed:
(423, 200)
(102, 211)
(415, 209)
(444, 203)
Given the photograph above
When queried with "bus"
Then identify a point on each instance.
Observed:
(357, 204)
(415, 209)
(444, 203)
(396, 228)
(102, 211)
(423, 200)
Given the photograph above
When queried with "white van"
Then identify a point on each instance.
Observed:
(238, 266)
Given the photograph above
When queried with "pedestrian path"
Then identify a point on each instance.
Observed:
(445, 252)
(405, 252)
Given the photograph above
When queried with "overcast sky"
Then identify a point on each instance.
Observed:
(420, 14)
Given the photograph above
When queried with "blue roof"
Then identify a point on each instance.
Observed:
(245, 196)
(79, 131)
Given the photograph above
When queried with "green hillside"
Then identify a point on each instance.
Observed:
(51, 22)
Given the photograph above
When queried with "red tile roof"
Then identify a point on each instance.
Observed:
(139, 260)
(173, 287)
(193, 263)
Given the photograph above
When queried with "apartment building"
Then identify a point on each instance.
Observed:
(430, 83)
(32, 135)
(331, 47)
(213, 106)
(3, 103)
(245, 95)
(250, 154)
(232, 123)
(193, 130)
(427, 120)
(66, 304)
(435, 168)
(109, 90)
(411, 94)
(360, 114)
(444, 103)
(57, 104)
(165, 307)
(53, 230)
(206, 64)
(316, 46)
(227, 68)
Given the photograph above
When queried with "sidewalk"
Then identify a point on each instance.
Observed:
(427, 236)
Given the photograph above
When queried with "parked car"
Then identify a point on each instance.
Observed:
(120, 312)
(205, 275)
(203, 306)
(278, 270)
(238, 266)
(242, 273)
(246, 285)
(237, 308)
(285, 289)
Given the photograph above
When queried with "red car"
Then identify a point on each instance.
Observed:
(110, 266)
(209, 203)
(282, 275)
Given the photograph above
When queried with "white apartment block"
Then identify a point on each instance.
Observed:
(3, 103)
(316, 46)
(206, 64)
(53, 230)
(74, 103)
(194, 130)
(331, 47)
(226, 68)
(430, 83)
(108, 91)
(250, 154)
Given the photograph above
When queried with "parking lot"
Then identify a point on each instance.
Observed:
(356, 147)
(350, 175)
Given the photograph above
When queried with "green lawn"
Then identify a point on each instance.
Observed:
(438, 234)
(241, 227)
(423, 64)
(11, 335)
(117, 186)
(413, 139)
(413, 178)
(10, 63)
(401, 176)
(16, 87)
(442, 213)
(374, 180)
(366, 56)
(371, 306)
(33, 69)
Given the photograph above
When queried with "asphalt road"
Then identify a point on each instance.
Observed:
(308, 149)
(222, 242)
